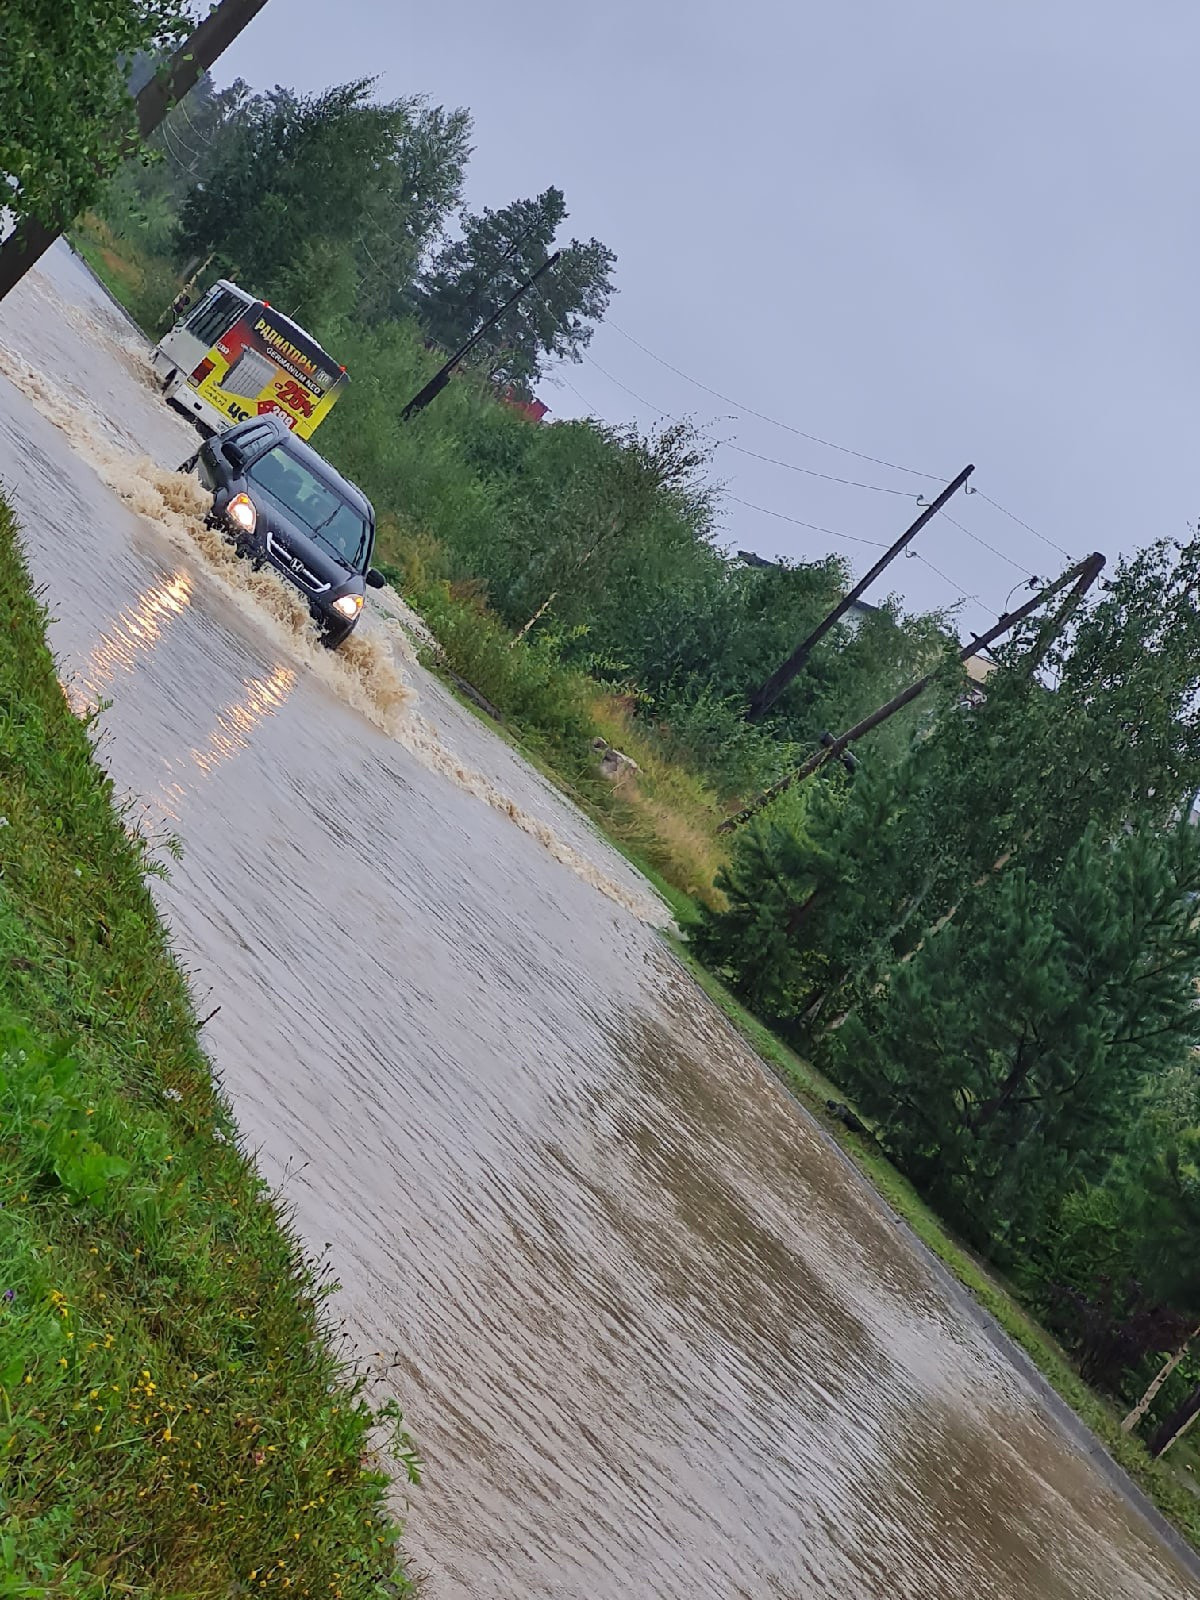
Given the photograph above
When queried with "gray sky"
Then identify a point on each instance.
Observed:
(932, 231)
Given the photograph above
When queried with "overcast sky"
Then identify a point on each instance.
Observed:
(930, 231)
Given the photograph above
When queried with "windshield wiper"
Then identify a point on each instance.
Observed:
(337, 549)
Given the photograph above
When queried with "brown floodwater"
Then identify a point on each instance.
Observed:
(651, 1335)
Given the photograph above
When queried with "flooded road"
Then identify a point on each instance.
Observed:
(652, 1337)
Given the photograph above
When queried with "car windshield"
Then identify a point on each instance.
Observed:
(313, 502)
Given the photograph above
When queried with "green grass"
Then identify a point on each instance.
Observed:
(143, 283)
(173, 1418)
(1161, 1480)
(663, 818)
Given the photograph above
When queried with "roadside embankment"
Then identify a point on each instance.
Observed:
(174, 1418)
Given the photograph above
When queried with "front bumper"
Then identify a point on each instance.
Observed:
(333, 628)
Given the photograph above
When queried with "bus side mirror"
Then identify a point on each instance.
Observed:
(375, 579)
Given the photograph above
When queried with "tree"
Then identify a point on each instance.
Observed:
(66, 112)
(299, 183)
(613, 483)
(143, 198)
(1011, 779)
(402, 220)
(1005, 1062)
(497, 252)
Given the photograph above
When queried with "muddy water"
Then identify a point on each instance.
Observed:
(652, 1338)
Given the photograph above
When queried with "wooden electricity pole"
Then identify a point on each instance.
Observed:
(441, 377)
(31, 238)
(1083, 574)
(765, 697)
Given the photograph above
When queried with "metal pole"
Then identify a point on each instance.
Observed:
(766, 697)
(31, 238)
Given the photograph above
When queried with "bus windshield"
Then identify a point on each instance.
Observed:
(314, 503)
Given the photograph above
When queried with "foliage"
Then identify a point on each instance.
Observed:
(302, 193)
(1002, 1063)
(66, 113)
(664, 817)
(1016, 774)
(189, 1452)
(472, 276)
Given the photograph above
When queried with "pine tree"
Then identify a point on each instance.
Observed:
(474, 275)
(1005, 1061)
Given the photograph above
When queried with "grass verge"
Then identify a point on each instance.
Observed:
(1159, 1480)
(662, 817)
(173, 1418)
(143, 283)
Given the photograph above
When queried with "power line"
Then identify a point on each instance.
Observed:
(182, 106)
(954, 523)
(728, 444)
(829, 444)
(813, 527)
(945, 577)
(173, 134)
(728, 400)
(1029, 528)
(798, 522)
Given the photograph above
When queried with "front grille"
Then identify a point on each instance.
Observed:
(294, 566)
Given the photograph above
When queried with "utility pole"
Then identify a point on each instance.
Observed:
(1083, 572)
(767, 695)
(31, 238)
(442, 376)
(1055, 624)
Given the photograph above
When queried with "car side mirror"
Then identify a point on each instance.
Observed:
(234, 454)
(375, 579)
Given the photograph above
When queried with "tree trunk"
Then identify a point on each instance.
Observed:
(997, 866)
(1176, 1425)
(1156, 1383)
(799, 912)
(536, 617)
(582, 562)
(1014, 1079)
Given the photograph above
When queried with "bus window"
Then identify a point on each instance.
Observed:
(214, 316)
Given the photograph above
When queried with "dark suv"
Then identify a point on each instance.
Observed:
(283, 505)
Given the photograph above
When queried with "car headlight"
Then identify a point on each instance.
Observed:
(348, 606)
(240, 510)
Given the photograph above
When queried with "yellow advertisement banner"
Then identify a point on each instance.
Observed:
(250, 373)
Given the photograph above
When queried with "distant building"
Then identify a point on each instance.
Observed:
(979, 668)
(533, 410)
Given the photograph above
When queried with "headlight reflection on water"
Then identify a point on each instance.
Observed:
(230, 734)
(137, 629)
